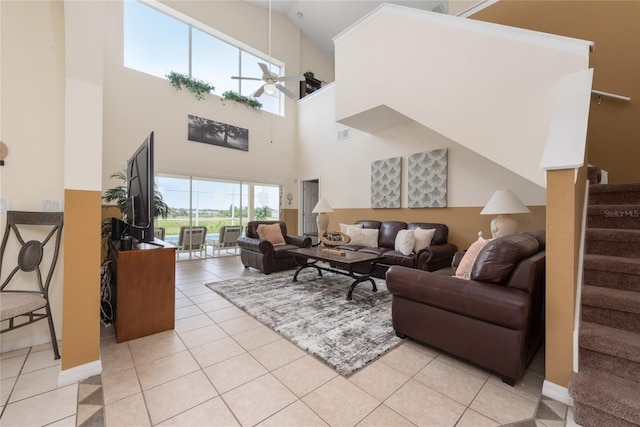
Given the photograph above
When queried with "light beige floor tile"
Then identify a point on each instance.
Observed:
(39, 360)
(239, 325)
(257, 337)
(277, 354)
(46, 346)
(36, 382)
(217, 351)
(502, 406)
(340, 402)
(421, 348)
(188, 311)
(42, 409)
(219, 304)
(559, 408)
(191, 323)
(201, 290)
(14, 353)
(212, 413)
(130, 411)
(234, 372)
(465, 366)
(6, 386)
(183, 302)
(384, 416)
(471, 418)
(406, 360)
(295, 415)
(115, 358)
(157, 346)
(12, 366)
(258, 399)
(211, 296)
(85, 390)
(119, 385)
(192, 284)
(550, 423)
(66, 422)
(529, 386)
(87, 411)
(202, 336)
(304, 375)
(537, 366)
(174, 397)
(450, 381)
(166, 369)
(425, 406)
(222, 314)
(379, 380)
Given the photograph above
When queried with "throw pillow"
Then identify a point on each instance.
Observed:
(344, 227)
(363, 236)
(405, 242)
(466, 263)
(423, 237)
(272, 233)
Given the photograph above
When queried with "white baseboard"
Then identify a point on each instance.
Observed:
(11, 344)
(79, 373)
(557, 392)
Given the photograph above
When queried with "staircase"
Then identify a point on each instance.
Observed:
(606, 390)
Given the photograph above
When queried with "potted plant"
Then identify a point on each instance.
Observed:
(196, 86)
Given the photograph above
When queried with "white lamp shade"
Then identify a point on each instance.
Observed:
(504, 202)
(269, 89)
(322, 206)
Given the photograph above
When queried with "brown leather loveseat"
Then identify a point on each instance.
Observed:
(495, 319)
(263, 255)
(436, 256)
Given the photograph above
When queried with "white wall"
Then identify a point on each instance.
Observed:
(344, 167)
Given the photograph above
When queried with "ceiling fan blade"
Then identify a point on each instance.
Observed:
(299, 78)
(264, 68)
(285, 91)
(246, 78)
(258, 92)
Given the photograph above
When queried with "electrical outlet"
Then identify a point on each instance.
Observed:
(5, 204)
(51, 206)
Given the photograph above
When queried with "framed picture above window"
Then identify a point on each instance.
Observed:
(217, 133)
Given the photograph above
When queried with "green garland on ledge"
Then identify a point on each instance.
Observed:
(196, 86)
(249, 102)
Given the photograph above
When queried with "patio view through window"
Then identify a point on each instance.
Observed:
(212, 203)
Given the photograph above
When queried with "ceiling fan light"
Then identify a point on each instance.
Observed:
(269, 88)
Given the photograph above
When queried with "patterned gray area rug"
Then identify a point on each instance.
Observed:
(314, 314)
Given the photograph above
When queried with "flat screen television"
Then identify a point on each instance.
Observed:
(140, 192)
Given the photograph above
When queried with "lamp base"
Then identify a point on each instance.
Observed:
(322, 221)
(503, 225)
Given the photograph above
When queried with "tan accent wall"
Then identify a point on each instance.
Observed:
(290, 217)
(614, 128)
(463, 222)
(564, 228)
(81, 295)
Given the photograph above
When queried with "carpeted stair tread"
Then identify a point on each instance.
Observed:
(613, 241)
(607, 393)
(612, 341)
(613, 299)
(614, 216)
(614, 194)
(612, 263)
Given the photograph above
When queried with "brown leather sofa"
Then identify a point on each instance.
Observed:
(495, 319)
(438, 255)
(264, 256)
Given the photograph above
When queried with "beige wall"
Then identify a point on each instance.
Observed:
(614, 128)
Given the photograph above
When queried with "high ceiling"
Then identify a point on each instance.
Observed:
(320, 21)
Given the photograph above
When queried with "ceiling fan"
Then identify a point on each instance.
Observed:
(271, 80)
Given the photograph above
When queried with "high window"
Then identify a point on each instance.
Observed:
(157, 43)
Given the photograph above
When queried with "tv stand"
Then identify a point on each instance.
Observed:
(143, 289)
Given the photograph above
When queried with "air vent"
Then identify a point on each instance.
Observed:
(343, 134)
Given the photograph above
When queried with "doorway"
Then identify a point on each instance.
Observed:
(310, 190)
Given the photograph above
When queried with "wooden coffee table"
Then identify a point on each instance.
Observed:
(350, 259)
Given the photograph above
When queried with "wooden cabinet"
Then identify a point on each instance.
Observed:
(143, 290)
(308, 86)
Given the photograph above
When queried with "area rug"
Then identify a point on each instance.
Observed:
(314, 314)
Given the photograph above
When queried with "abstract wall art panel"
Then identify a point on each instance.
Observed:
(217, 133)
(427, 177)
(385, 183)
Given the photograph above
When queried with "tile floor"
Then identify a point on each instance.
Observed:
(220, 367)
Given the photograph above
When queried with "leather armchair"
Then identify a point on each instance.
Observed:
(263, 255)
(495, 319)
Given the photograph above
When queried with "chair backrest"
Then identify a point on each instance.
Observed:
(192, 238)
(32, 251)
(229, 235)
(158, 233)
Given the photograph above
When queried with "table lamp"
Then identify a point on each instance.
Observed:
(503, 203)
(322, 220)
